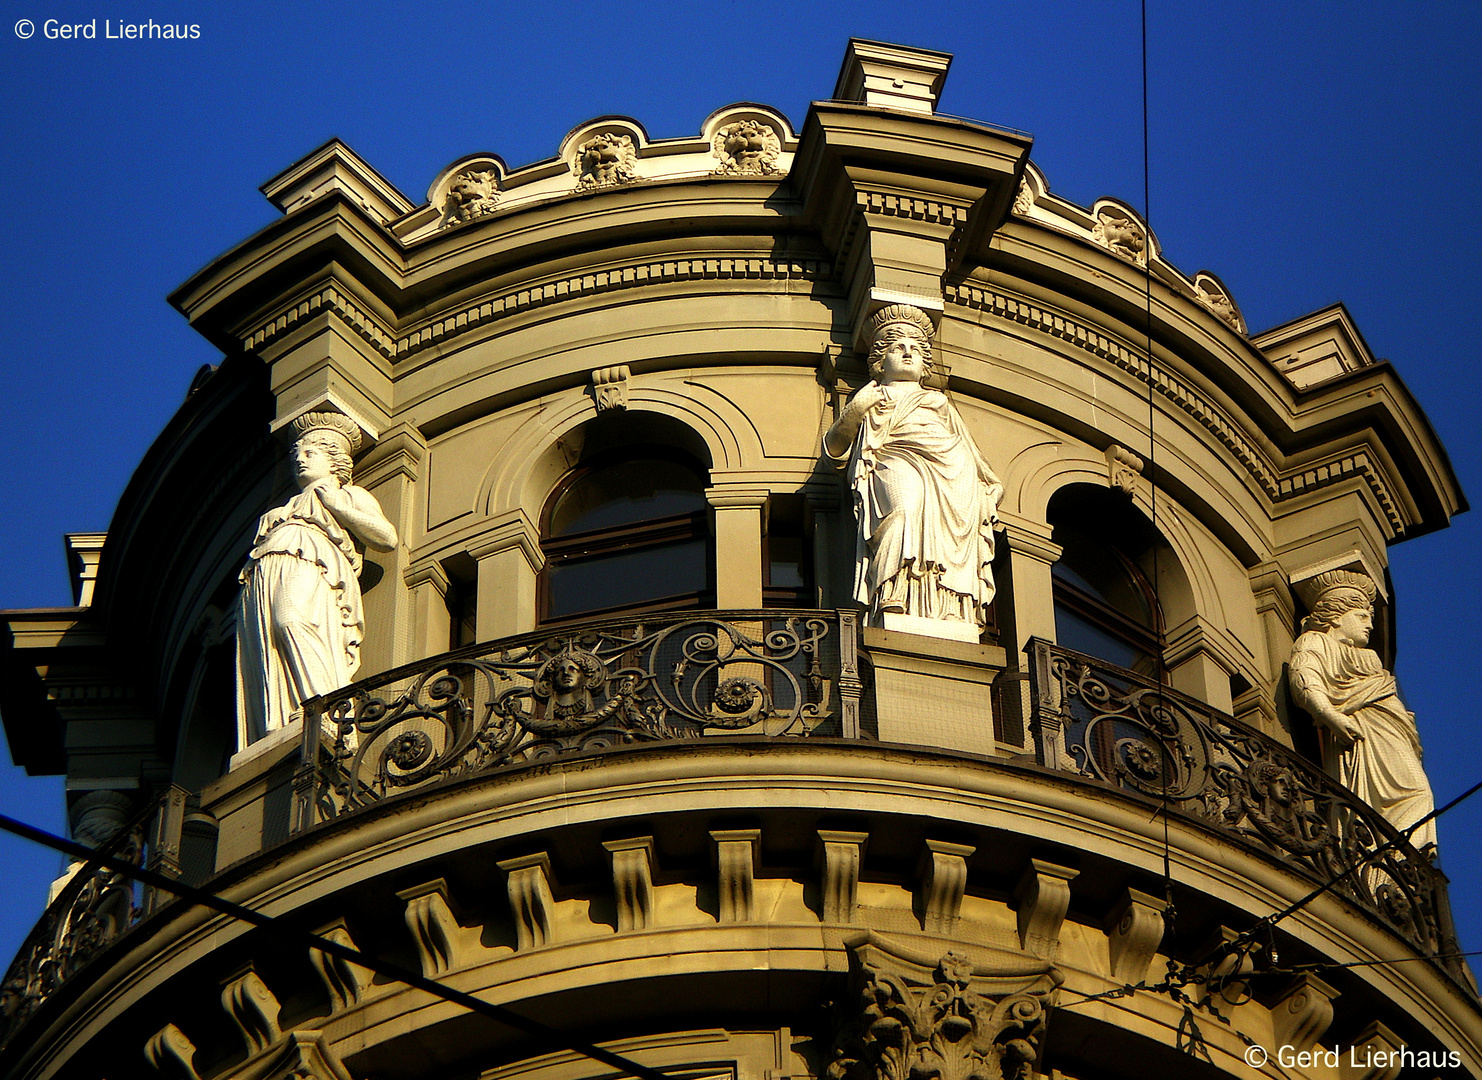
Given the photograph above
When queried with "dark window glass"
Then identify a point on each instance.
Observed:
(1104, 604)
(640, 576)
(624, 493)
(628, 535)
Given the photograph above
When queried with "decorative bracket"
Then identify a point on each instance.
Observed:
(1123, 467)
(841, 854)
(943, 880)
(1227, 982)
(610, 387)
(1301, 1015)
(1134, 930)
(430, 918)
(1375, 1041)
(253, 1008)
(341, 978)
(172, 1054)
(736, 856)
(1043, 896)
(632, 881)
(530, 900)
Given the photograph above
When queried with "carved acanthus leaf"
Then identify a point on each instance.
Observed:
(951, 1022)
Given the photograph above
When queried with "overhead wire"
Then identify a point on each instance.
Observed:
(291, 935)
(1159, 661)
(1266, 924)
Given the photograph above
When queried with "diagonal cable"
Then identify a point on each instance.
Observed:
(302, 938)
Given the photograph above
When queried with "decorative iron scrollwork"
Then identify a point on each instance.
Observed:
(592, 687)
(1114, 726)
(93, 909)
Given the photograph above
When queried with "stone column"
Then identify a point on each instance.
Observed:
(509, 562)
(738, 544)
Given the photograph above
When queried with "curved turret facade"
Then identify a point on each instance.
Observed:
(632, 750)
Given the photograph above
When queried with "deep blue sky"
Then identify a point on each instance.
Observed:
(1305, 152)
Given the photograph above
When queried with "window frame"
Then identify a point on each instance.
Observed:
(593, 544)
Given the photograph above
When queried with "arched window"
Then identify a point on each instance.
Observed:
(1105, 603)
(627, 533)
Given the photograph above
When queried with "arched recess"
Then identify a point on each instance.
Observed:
(1111, 581)
(552, 441)
(627, 527)
(1185, 585)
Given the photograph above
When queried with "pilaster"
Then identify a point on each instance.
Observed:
(738, 543)
(509, 563)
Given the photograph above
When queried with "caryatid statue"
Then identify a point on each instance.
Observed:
(1372, 744)
(925, 500)
(299, 619)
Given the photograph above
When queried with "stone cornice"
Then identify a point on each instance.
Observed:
(444, 328)
(1187, 399)
(328, 299)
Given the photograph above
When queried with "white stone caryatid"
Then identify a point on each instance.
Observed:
(926, 501)
(299, 619)
(1373, 745)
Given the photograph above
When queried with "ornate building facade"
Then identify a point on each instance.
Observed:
(643, 743)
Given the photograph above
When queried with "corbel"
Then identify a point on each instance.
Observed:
(172, 1054)
(343, 979)
(429, 916)
(1373, 1041)
(1134, 930)
(1300, 1017)
(1226, 977)
(253, 1008)
(610, 387)
(632, 881)
(841, 854)
(736, 856)
(942, 879)
(530, 901)
(1043, 898)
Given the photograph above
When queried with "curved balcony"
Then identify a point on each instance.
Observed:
(1112, 726)
(582, 689)
(596, 688)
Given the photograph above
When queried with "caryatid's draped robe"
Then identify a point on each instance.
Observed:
(927, 504)
(1383, 768)
(300, 617)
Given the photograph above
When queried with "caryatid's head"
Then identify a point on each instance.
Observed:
(1341, 603)
(901, 349)
(324, 447)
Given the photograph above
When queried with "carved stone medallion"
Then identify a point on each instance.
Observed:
(605, 160)
(747, 148)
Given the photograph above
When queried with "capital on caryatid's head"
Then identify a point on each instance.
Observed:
(901, 315)
(1328, 595)
(332, 423)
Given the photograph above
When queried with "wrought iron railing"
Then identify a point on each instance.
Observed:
(92, 910)
(1114, 726)
(640, 679)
